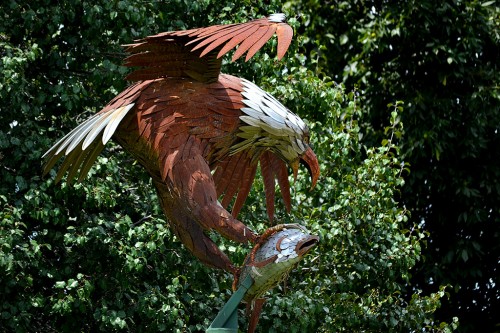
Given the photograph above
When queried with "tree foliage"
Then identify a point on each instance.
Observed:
(98, 256)
(441, 59)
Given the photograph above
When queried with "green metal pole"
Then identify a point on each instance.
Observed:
(227, 318)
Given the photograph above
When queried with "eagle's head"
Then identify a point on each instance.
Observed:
(269, 125)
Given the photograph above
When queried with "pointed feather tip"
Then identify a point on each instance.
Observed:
(277, 18)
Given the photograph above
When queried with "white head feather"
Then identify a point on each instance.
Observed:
(270, 123)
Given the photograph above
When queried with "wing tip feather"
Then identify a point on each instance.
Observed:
(81, 141)
(277, 18)
(285, 35)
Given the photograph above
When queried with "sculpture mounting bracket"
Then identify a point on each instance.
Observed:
(226, 320)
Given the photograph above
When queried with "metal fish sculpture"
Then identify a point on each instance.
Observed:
(278, 251)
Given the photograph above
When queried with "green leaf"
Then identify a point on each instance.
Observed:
(343, 39)
(465, 255)
(60, 284)
(72, 283)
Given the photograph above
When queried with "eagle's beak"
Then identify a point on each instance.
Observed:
(310, 161)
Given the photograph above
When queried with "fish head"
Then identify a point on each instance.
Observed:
(279, 250)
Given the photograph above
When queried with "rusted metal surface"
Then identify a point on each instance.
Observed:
(278, 251)
(199, 134)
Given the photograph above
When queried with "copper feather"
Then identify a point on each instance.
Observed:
(198, 133)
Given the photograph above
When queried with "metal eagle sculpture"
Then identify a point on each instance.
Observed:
(200, 134)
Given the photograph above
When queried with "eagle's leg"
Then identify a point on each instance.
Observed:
(189, 200)
(192, 176)
(190, 233)
(202, 247)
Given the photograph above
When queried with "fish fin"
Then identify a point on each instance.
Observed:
(253, 310)
(264, 262)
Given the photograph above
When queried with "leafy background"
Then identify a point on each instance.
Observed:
(402, 98)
